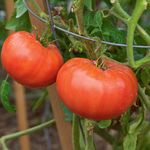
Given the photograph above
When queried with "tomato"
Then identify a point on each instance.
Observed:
(28, 62)
(96, 93)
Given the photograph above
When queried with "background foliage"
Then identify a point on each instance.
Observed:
(99, 23)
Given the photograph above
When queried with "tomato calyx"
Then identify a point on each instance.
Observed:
(100, 63)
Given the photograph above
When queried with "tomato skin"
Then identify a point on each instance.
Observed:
(28, 62)
(95, 93)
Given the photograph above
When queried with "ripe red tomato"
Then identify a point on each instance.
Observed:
(96, 93)
(28, 62)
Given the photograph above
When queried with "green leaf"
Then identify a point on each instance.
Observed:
(20, 8)
(93, 20)
(67, 112)
(4, 95)
(104, 124)
(130, 142)
(88, 4)
(112, 33)
(21, 23)
(145, 74)
(40, 101)
(124, 121)
(137, 123)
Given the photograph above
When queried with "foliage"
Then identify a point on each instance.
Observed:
(102, 21)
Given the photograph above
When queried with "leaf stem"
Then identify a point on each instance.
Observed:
(105, 135)
(76, 133)
(77, 8)
(132, 23)
(118, 12)
(5, 138)
(145, 99)
(38, 9)
(89, 133)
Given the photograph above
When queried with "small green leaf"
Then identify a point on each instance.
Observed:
(124, 121)
(93, 20)
(21, 23)
(104, 124)
(67, 112)
(20, 8)
(130, 142)
(112, 33)
(4, 95)
(145, 74)
(40, 101)
(136, 124)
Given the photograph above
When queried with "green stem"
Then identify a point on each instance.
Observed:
(117, 8)
(132, 23)
(142, 61)
(4, 146)
(89, 128)
(5, 138)
(105, 135)
(38, 9)
(118, 11)
(76, 133)
(78, 7)
(145, 99)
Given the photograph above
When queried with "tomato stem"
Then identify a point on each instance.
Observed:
(118, 12)
(77, 8)
(132, 23)
(5, 138)
(76, 133)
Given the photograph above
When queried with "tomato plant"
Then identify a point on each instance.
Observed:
(104, 83)
(96, 93)
(28, 62)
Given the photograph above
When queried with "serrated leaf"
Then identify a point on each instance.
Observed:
(93, 20)
(21, 23)
(4, 94)
(130, 142)
(112, 33)
(104, 124)
(20, 8)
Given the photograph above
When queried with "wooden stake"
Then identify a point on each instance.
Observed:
(21, 114)
(19, 95)
(64, 128)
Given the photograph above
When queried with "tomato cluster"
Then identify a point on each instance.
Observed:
(89, 91)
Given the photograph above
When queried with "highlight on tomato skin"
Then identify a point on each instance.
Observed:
(28, 62)
(96, 93)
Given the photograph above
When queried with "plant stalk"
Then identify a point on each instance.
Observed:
(118, 12)
(5, 138)
(77, 8)
(132, 23)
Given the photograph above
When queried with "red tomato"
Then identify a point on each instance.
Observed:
(96, 93)
(28, 62)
